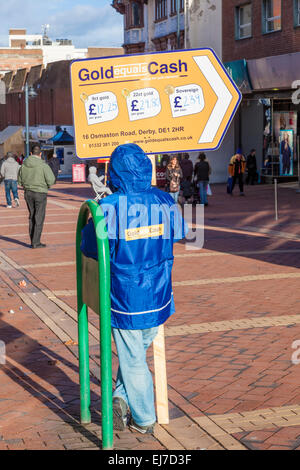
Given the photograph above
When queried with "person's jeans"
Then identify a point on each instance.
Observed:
(11, 186)
(175, 196)
(134, 380)
(36, 204)
(203, 191)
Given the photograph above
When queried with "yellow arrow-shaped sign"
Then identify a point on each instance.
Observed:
(165, 102)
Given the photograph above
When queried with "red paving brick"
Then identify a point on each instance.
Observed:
(209, 373)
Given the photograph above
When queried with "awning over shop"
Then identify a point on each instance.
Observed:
(62, 138)
(238, 71)
(276, 72)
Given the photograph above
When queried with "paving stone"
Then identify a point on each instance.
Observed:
(228, 345)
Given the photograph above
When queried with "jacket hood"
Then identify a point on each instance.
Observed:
(11, 161)
(92, 170)
(32, 161)
(130, 169)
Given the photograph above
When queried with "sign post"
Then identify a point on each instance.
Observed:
(174, 101)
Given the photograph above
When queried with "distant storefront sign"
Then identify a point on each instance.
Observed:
(78, 173)
(161, 176)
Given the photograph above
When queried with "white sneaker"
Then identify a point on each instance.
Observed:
(8, 207)
(17, 202)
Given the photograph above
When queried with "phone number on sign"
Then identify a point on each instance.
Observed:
(104, 144)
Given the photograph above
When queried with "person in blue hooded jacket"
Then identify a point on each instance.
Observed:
(142, 223)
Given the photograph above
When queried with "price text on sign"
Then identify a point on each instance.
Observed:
(164, 102)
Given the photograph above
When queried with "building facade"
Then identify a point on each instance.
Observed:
(27, 50)
(261, 49)
(159, 25)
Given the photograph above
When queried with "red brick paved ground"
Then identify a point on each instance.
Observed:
(209, 374)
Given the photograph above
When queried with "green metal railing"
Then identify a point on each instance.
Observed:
(93, 290)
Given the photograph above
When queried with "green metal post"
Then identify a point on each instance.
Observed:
(105, 320)
(83, 336)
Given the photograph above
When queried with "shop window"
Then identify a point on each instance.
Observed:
(244, 21)
(271, 16)
(297, 12)
(160, 9)
(134, 15)
(174, 6)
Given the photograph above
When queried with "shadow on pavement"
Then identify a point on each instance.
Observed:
(16, 242)
(22, 351)
(227, 219)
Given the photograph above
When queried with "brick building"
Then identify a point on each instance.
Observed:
(27, 50)
(250, 32)
(261, 49)
(15, 59)
(156, 25)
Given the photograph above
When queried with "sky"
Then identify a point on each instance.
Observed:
(85, 22)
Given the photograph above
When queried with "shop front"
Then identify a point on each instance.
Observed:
(269, 118)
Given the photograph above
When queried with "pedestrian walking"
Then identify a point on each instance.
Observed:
(54, 164)
(2, 160)
(141, 259)
(20, 159)
(202, 172)
(251, 167)
(236, 169)
(9, 171)
(187, 168)
(36, 177)
(174, 176)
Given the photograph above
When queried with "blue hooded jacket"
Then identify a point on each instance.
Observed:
(143, 223)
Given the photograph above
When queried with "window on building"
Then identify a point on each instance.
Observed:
(134, 15)
(271, 15)
(160, 9)
(244, 21)
(174, 6)
(297, 12)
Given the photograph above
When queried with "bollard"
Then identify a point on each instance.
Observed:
(103, 309)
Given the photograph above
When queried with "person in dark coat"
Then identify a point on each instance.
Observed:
(54, 164)
(236, 170)
(187, 168)
(202, 172)
(251, 166)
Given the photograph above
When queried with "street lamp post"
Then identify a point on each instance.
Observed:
(29, 94)
(27, 119)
